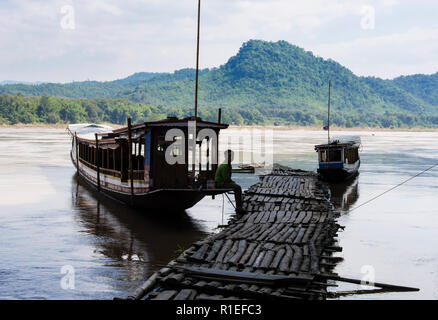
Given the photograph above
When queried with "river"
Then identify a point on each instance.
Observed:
(51, 226)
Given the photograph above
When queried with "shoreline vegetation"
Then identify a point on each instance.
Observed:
(278, 128)
(274, 84)
(53, 111)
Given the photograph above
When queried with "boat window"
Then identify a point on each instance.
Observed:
(117, 159)
(356, 154)
(335, 155)
(322, 156)
(85, 152)
(138, 156)
(347, 156)
(351, 156)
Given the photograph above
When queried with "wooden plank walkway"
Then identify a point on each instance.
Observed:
(281, 249)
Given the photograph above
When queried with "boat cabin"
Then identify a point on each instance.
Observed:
(171, 154)
(339, 159)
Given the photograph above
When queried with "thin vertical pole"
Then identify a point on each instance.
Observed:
(219, 116)
(328, 115)
(131, 171)
(196, 88)
(193, 144)
(113, 151)
(217, 151)
(121, 162)
(328, 126)
(197, 59)
(97, 159)
(77, 152)
(200, 156)
(208, 153)
(139, 155)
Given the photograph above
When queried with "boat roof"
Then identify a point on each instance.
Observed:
(88, 130)
(174, 122)
(342, 141)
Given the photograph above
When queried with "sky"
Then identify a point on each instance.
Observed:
(77, 40)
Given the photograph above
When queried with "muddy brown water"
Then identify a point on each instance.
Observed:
(49, 221)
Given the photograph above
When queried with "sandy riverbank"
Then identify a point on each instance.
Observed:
(309, 128)
(47, 126)
(354, 129)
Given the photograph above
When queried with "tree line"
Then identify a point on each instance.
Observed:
(51, 110)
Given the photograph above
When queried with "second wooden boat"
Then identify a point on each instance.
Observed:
(339, 160)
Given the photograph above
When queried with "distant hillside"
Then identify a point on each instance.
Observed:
(96, 89)
(19, 82)
(21, 109)
(140, 76)
(270, 83)
(422, 86)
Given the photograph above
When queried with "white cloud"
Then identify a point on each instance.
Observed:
(390, 3)
(388, 56)
(104, 5)
(114, 38)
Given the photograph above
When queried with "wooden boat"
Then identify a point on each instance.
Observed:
(131, 164)
(339, 160)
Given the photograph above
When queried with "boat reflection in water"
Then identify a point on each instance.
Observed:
(140, 244)
(345, 194)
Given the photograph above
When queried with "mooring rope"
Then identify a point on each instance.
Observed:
(229, 200)
(394, 187)
(223, 205)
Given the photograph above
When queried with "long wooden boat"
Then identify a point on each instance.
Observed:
(339, 160)
(131, 164)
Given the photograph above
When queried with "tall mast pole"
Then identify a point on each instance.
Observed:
(328, 114)
(196, 90)
(197, 59)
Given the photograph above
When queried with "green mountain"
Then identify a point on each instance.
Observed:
(422, 86)
(269, 83)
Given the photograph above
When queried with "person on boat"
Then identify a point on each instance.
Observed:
(223, 179)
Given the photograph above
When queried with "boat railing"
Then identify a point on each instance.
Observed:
(137, 174)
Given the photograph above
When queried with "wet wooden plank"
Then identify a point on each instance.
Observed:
(285, 234)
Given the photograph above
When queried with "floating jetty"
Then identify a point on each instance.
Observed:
(281, 249)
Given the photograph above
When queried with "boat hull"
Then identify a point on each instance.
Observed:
(162, 200)
(159, 199)
(337, 174)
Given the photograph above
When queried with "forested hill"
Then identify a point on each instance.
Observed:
(269, 83)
